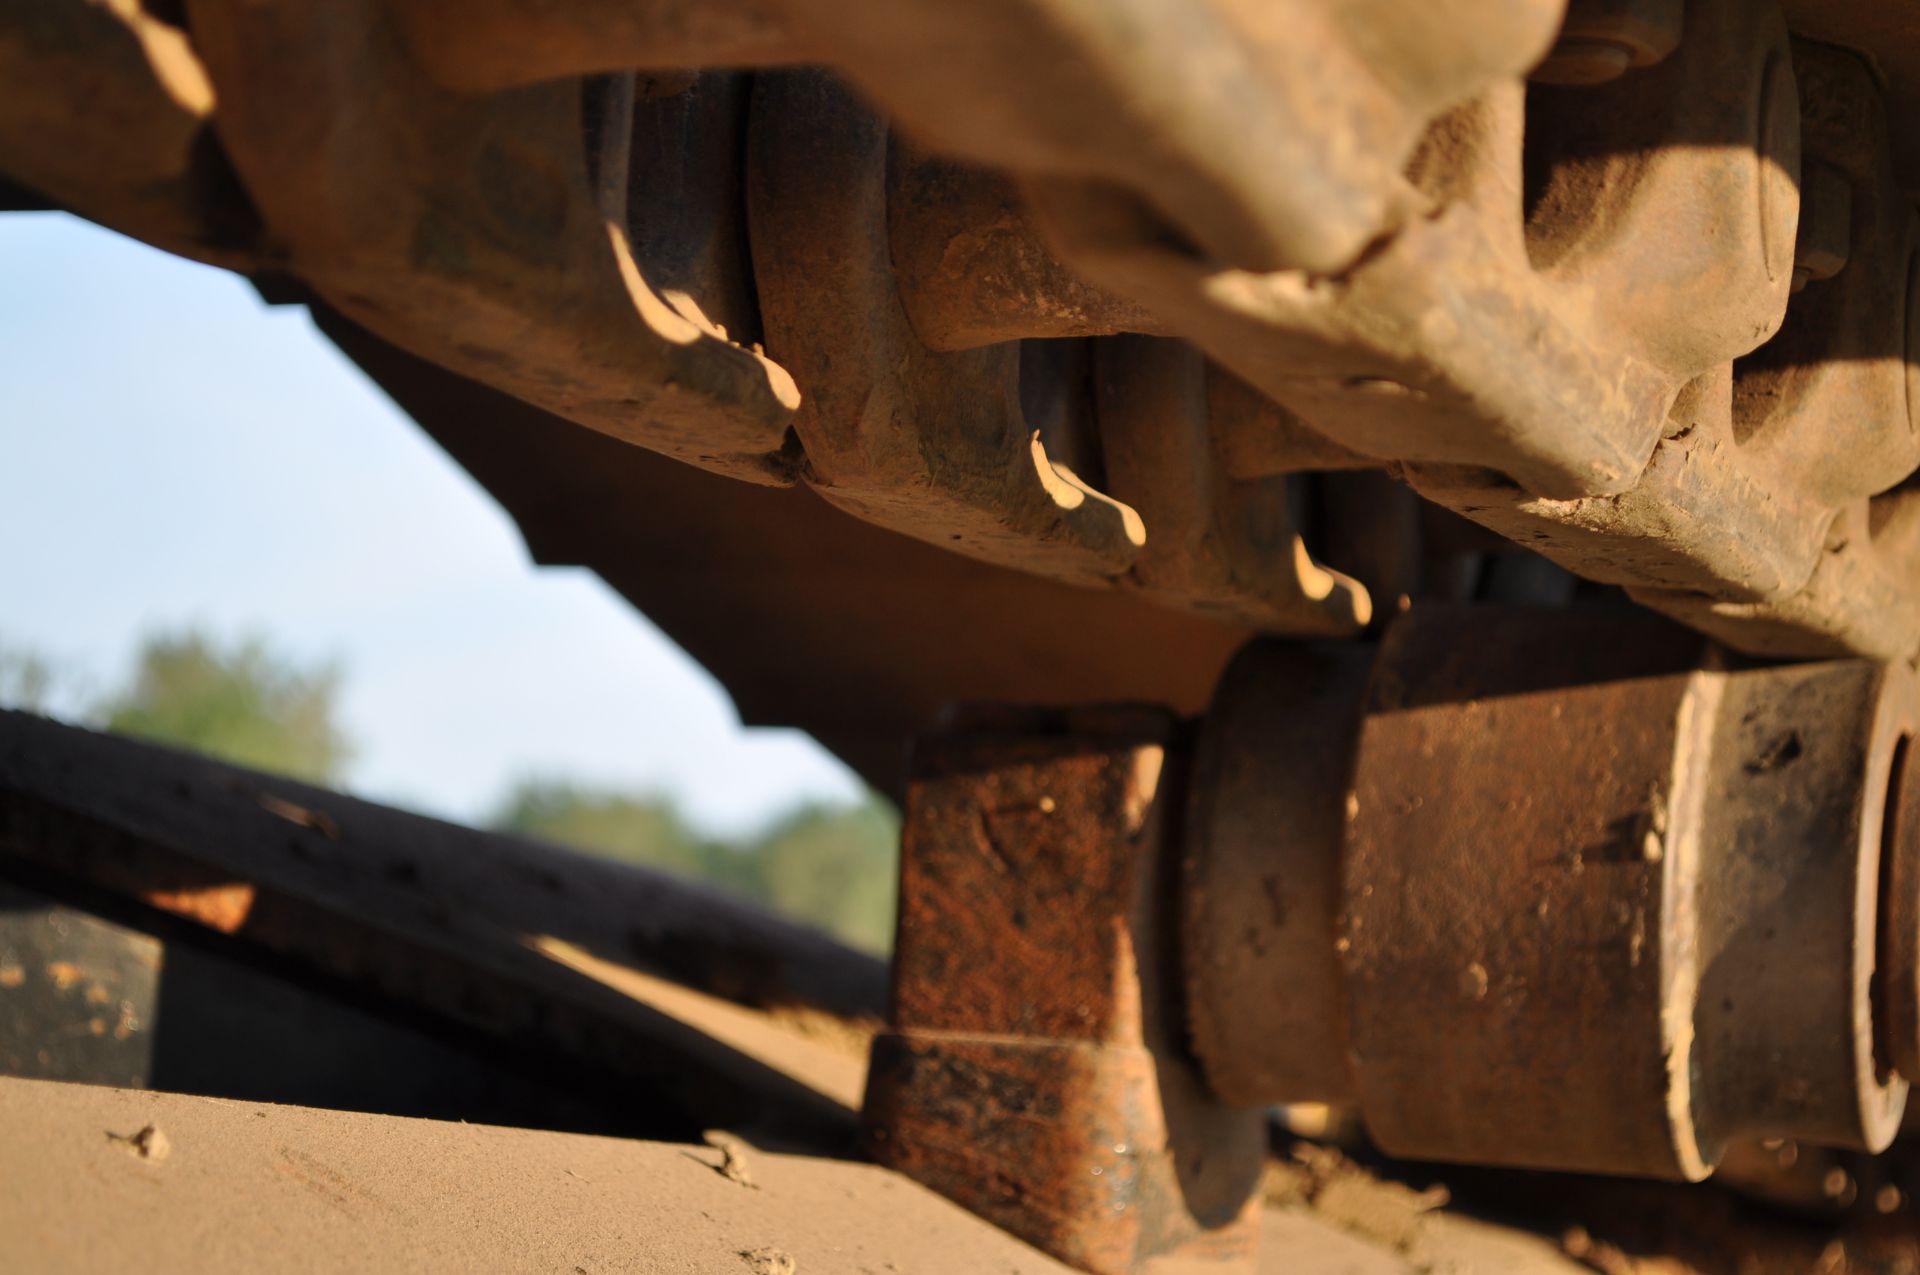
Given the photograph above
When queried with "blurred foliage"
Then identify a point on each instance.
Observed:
(836, 867)
(633, 829)
(242, 703)
(26, 681)
(833, 867)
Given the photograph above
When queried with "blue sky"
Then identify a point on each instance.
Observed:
(173, 452)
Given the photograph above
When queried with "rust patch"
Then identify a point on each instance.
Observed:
(220, 907)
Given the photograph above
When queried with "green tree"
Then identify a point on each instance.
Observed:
(833, 867)
(645, 830)
(26, 681)
(837, 867)
(243, 703)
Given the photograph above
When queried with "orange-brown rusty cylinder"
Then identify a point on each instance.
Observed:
(1608, 906)
(1505, 916)
(1603, 903)
(1033, 1072)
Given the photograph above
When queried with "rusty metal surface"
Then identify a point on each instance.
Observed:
(934, 444)
(1509, 936)
(915, 420)
(1822, 417)
(1800, 777)
(1098, 292)
(1094, 95)
(1032, 1069)
(488, 45)
(1569, 893)
(1361, 210)
(405, 204)
(1227, 545)
(972, 267)
(1408, 358)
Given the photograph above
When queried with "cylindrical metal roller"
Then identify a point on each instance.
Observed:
(1602, 902)
(1506, 916)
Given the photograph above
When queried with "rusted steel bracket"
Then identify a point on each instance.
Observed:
(1559, 890)
(1034, 1070)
